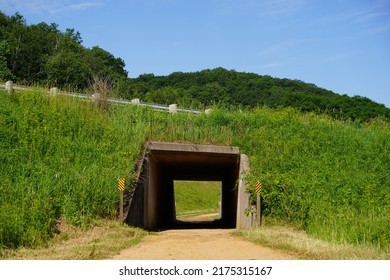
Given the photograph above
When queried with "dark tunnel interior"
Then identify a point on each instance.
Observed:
(166, 166)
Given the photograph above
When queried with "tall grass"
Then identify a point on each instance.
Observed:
(61, 157)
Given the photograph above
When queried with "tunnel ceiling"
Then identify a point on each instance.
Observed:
(194, 162)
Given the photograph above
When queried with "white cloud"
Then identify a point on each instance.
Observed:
(271, 65)
(85, 5)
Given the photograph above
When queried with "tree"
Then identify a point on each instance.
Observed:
(165, 95)
(29, 46)
(41, 53)
(104, 64)
(66, 68)
(73, 35)
(5, 72)
(213, 93)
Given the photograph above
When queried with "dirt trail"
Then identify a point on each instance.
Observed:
(198, 244)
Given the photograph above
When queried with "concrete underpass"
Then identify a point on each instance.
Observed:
(151, 202)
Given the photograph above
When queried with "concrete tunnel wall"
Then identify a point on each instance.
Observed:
(152, 204)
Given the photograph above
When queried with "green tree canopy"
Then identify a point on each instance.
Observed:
(42, 54)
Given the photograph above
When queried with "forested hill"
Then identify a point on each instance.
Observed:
(229, 87)
(43, 55)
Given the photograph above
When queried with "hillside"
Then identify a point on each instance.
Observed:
(61, 159)
(239, 89)
(41, 54)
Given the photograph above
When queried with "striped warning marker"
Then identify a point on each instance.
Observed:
(258, 187)
(121, 184)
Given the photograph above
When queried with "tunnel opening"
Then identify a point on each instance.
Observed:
(197, 201)
(151, 203)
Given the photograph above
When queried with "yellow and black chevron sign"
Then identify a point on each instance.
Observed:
(121, 184)
(258, 187)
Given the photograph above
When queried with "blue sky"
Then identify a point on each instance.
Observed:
(341, 45)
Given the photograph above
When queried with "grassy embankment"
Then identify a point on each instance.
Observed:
(60, 159)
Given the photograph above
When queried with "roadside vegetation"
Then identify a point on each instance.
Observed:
(60, 159)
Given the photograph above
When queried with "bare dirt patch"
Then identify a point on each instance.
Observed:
(199, 244)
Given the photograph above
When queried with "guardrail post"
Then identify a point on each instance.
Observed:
(54, 91)
(172, 108)
(9, 86)
(135, 101)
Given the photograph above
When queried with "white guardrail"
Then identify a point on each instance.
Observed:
(9, 86)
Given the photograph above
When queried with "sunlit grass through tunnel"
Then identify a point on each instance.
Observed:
(197, 200)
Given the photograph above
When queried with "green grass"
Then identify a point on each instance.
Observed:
(197, 196)
(102, 241)
(302, 246)
(61, 157)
